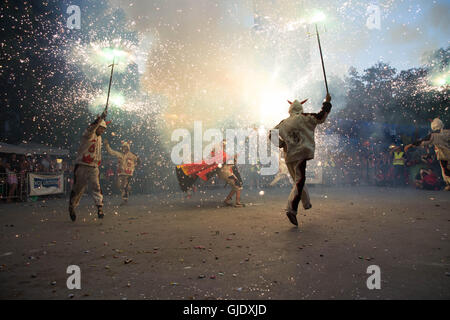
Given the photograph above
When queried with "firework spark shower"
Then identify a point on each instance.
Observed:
(227, 150)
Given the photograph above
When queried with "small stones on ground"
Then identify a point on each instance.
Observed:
(201, 276)
(127, 261)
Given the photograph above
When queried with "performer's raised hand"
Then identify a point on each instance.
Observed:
(103, 115)
(408, 147)
(328, 98)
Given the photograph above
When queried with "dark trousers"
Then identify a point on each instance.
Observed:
(399, 175)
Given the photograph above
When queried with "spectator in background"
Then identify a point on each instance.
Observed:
(30, 161)
(398, 162)
(380, 178)
(39, 167)
(23, 169)
(53, 167)
(371, 168)
(45, 162)
(15, 163)
(12, 180)
(427, 179)
(24, 165)
(3, 180)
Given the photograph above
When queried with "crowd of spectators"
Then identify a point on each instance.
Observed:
(14, 169)
(353, 167)
(416, 168)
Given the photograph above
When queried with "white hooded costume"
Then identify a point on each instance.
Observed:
(86, 172)
(297, 139)
(440, 138)
(126, 165)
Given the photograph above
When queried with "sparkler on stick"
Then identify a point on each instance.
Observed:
(109, 87)
(319, 17)
(321, 58)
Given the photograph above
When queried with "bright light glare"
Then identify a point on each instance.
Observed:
(110, 53)
(273, 106)
(441, 81)
(317, 17)
(116, 100)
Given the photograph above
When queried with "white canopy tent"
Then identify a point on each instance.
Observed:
(36, 148)
(32, 148)
(10, 148)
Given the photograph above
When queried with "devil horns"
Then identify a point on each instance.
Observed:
(300, 102)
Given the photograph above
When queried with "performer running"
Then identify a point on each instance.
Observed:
(297, 139)
(188, 173)
(126, 164)
(440, 138)
(230, 174)
(284, 172)
(86, 172)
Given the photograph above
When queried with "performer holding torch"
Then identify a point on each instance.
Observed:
(127, 162)
(86, 172)
(297, 139)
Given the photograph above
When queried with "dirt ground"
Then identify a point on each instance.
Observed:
(167, 247)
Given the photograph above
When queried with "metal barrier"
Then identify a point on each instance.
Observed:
(16, 186)
(13, 186)
(67, 183)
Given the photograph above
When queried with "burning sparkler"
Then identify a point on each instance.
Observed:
(320, 16)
